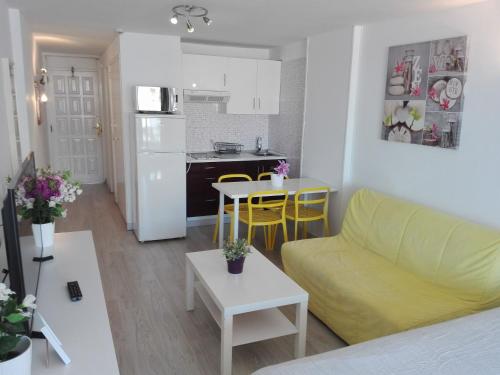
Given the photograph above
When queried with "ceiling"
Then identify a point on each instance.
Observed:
(88, 26)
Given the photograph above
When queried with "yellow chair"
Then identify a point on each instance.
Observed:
(300, 212)
(266, 214)
(229, 208)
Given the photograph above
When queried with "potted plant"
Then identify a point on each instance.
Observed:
(15, 347)
(40, 198)
(235, 253)
(281, 172)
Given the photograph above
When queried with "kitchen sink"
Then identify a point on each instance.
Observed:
(266, 153)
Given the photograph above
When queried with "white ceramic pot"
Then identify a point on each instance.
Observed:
(276, 180)
(20, 365)
(44, 237)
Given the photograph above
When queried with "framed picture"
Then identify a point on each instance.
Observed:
(424, 93)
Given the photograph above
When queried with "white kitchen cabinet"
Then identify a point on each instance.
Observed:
(242, 83)
(202, 72)
(254, 86)
(268, 87)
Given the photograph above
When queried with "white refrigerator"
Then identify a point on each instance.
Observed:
(160, 209)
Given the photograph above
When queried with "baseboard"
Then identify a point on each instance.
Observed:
(198, 221)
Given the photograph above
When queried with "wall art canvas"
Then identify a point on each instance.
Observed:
(424, 94)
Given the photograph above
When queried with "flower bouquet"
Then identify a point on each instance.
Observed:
(15, 348)
(40, 199)
(281, 172)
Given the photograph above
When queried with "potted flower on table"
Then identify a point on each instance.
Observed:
(235, 253)
(15, 347)
(40, 198)
(281, 172)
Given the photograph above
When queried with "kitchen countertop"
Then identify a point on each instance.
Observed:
(212, 157)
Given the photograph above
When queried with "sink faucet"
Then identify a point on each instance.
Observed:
(259, 143)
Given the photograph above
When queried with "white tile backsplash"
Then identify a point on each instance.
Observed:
(282, 133)
(285, 130)
(205, 124)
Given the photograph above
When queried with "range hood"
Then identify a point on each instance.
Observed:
(206, 96)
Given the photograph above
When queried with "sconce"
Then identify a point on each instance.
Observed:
(41, 97)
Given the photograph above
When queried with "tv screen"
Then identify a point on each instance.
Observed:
(11, 230)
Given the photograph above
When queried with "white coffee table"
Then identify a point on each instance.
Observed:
(245, 306)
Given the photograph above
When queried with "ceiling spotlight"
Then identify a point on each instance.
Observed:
(44, 98)
(189, 12)
(189, 26)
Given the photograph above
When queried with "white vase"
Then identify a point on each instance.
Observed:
(20, 365)
(44, 237)
(276, 180)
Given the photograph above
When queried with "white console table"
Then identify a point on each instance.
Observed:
(83, 326)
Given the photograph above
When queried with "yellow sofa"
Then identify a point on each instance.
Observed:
(396, 266)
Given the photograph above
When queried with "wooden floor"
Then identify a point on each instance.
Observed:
(144, 289)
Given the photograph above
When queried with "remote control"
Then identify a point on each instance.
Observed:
(75, 294)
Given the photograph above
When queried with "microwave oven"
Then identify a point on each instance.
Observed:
(154, 99)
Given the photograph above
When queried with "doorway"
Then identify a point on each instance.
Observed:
(74, 126)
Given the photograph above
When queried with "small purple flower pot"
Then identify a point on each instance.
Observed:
(235, 266)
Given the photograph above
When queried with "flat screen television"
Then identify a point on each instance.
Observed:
(11, 230)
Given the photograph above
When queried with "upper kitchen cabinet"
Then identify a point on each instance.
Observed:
(268, 87)
(254, 86)
(203, 72)
(242, 83)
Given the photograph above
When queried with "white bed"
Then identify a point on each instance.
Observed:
(465, 346)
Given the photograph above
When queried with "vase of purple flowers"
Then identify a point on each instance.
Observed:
(281, 171)
(40, 199)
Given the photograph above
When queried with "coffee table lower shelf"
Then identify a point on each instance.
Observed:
(253, 326)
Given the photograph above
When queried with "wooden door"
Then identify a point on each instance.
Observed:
(268, 87)
(241, 82)
(75, 131)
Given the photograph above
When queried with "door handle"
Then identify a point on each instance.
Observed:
(225, 81)
(253, 103)
(98, 128)
(259, 102)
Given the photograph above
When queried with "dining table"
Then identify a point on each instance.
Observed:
(242, 189)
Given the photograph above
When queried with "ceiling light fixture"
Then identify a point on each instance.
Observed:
(207, 20)
(189, 12)
(189, 26)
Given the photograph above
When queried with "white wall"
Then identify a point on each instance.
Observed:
(463, 182)
(145, 59)
(327, 92)
(291, 51)
(224, 50)
(22, 67)
(5, 52)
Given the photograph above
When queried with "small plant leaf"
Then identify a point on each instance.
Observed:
(15, 318)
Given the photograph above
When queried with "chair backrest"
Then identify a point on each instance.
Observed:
(316, 201)
(267, 176)
(235, 176)
(278, 204)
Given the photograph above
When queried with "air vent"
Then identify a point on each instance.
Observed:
(206, 96)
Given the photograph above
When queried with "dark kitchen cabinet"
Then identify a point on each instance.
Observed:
(202, 198)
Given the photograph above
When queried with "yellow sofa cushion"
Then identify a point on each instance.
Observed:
(441, 249)
(360, 295)
(396, 266)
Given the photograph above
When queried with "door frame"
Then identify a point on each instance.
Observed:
(50, 109)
